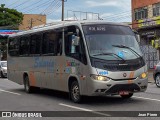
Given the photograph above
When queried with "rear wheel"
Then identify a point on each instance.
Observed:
(127, 96)
(27, 86)
(157, 80)
(75, 92)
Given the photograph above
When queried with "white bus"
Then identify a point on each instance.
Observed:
(82, 58)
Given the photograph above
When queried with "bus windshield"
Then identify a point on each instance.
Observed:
(111, 42)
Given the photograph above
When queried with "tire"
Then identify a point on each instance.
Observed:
(157, 80)
(2, 76)
(75, 92)
(27, 86)
(127, 96)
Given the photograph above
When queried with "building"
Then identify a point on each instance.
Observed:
(146, 20)
(31, 20)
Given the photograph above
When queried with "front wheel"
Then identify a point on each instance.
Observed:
(75, 92)
(127, 96)
(157, 80)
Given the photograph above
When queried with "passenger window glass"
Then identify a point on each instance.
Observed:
(35, 44)
(52, 43)
(24, 45)
(13, 47)
(75, 51)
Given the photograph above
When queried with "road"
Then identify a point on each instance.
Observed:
(14, 98)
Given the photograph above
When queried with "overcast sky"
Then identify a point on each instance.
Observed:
(109, 10)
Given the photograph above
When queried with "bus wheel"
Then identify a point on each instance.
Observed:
(27, 86)
(127, 96)
(75, 92)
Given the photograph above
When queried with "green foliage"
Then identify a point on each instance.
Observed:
(10, 17)
(3, 47)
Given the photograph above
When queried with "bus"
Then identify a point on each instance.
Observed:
(83, 58)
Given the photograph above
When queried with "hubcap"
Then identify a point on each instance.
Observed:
(158, 81)
(75, 92)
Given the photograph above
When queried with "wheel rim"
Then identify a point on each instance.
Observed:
(75, 92)
(158, 81)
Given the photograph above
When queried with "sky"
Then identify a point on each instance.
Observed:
(108, 10)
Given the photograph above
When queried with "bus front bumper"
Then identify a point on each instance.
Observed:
(112, 87)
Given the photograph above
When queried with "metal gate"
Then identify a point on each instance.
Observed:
(149, 53)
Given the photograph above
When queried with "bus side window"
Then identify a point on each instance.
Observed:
(77, 52)
(13, 46)
(58, 45)
(24, 45)
(52, 43)
(48, 44)
(35, 43)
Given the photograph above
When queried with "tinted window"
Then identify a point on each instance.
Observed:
(24, 45)
(77, 52)
(13, 47)
(35, 44)
(52, 42)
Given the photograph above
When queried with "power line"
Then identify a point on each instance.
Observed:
(44, 3)
(21, 4)
(13, 3)
(50, 6)
(55, 9)
(32, 4)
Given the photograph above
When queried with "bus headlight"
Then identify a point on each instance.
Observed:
(143, 75)
(99, 77)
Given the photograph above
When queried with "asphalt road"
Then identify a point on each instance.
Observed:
(14, 98)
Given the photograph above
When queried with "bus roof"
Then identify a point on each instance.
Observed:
(54, 25)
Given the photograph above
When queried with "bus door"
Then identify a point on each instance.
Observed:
(76, 61)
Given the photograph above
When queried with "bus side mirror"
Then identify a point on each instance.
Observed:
(75, 40)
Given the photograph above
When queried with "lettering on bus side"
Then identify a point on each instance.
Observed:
(40, 63)
(72, 64)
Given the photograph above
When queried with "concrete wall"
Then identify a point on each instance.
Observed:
(32, 20)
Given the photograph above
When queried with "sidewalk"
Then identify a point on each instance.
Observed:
(150, 76)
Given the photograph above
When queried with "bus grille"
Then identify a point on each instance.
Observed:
(117, 67)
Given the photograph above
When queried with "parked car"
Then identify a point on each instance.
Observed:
(156, 74)
(3, 69)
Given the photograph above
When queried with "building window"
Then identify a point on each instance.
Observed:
(156, 9)
(141, 13)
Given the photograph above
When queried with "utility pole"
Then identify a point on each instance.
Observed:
(62, 10)
(31, 23)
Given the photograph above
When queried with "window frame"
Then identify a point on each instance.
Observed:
(81, 47)
(20, 38)
(141, 13)
(40, 45)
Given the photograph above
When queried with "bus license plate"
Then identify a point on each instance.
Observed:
(123, 93)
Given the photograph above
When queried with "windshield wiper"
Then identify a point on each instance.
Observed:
(111, 54)
(123, 46)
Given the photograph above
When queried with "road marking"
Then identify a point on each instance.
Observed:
(84, 109)
(147, 98)
(9, 92)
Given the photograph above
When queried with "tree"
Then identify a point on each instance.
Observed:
(10, 17)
